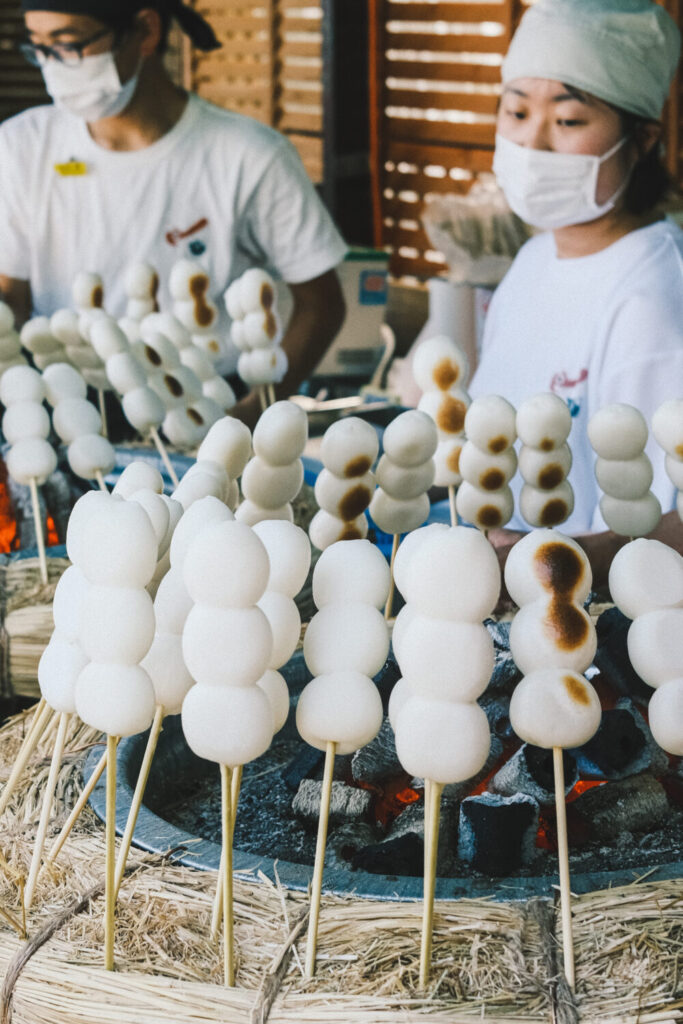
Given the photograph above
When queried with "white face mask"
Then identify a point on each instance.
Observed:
(552, 190)
(92, 89)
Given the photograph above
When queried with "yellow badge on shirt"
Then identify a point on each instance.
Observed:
(71, 169)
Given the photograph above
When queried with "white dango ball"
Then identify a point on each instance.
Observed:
(67, 604)
(61, 663)
(260, 329)
(258, 367)
(250, 513)
(341, 707)
(117, 624)
(267, 485)
(326, 529)
(454, 575)
(125, 373)
(646, 575)
(116, 699)
(443, 741)
(63, 381)
(64, 326)
(227, 646)
(143, 409)
(546, 508)
(674, 469)
(140, 280)
(555, 708)
(351, 571)
(220, 392)
(169, 326)
(32, 458)
(281, 433)
(408, 547)
(547, 633)
(228, 725)
(257, 290)
(634, 518)
(226, 566)
(25, 419)
(285, 623)
(21, 384)
(233, 300)
(157, 511)
(90, 455)
(665, 716)
(352, 635)
(617, 431)
(205, 412)
(401, 693)
(131, 329)
(76, 416)
(181, 428)
(544, 562)
(172, 603)
(396, 517)
(626, 479)
(410, 439)
(345, 499)
(37, 338)
(403, 484)
(198, 485)
(486, 471)
(667, 427)
(166, 668)
(400, 628)
(445, 660)
(228, 443)
(655, 645)
(439, 363)
(186, 274)
(118, 546)
(545, 470)
(275, 689)
(543, 422)
(490, 424)
(349, 447)
(139, 476)
(89, 504)
(289, 555)
(194, 360)
(203, 472)
(87, 290)
(6, 318)
(169, 389)
(238, 337)
(108, 339)
(487, 510)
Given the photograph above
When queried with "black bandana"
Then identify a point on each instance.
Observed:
(113, 11)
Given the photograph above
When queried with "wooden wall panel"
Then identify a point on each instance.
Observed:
(21, 85)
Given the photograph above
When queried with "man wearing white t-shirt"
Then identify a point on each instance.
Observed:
(125, 166)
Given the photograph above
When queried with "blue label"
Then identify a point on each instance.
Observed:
(373, 288)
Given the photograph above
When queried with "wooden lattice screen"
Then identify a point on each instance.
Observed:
(21, 85)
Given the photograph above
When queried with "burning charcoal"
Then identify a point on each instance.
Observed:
(497, 710)
(505, 674)
(303, 765)
(497, 833)
(346, 841)
(638, 804)
(401, 856)
(378, 759)
(386, 678)
(612, 656)
(20, 497)
(530, 772)
(459, 790)
(412, 821)
(622, 746)
(347, 802)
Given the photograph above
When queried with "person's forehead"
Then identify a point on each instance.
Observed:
(54, 24)
(546, 89)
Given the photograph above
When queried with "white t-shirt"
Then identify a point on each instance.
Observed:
(595, 330)
(218, 187)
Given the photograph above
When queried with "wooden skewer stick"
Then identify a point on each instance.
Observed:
(41, 720)
(432, 815)
(451, 503)
(228, 919)
(263, 398)
(272, 398)
(46, 810)
(77, 810)
(317, 884)
(392, 585)
(161, 448)
(38, 523)
(100, 482)
(217, 915)
(110, 855)
(138, 795)
(563, 857)
(103, 412)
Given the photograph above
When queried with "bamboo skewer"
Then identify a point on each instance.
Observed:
(48, 796)
(263, 398)
(77, 810)
(272, 398)
(392, 586)
(40, 723)
(451, 504)
(103, 412)
(161, 448)
(431, 850)
(217, 914)
(138, 795)
(317, 884)
(563, 857)
(100, 482)
(38, 524)
(228, 917)
(110, 855)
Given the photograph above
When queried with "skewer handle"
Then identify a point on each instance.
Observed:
(138, 796)
(42, 718)
(451, 504)
(48, 796)
(228, 916)
(161, 448)
(110, 855)
(77, 810)
(38, 524)
(432, 816)
(263, 398)
(563, 856)
(100, 482)
(392, 585)
(317, 884)
(103, 412)
(272, 398)
(217, 915)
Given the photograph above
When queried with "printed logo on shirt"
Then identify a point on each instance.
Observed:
(562, 382)
(177, 235)
(71, 169)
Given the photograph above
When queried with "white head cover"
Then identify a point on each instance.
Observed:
(624, 52)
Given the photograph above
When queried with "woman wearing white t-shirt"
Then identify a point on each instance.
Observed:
(592, 308)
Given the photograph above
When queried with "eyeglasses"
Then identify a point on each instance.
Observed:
(66, 53)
